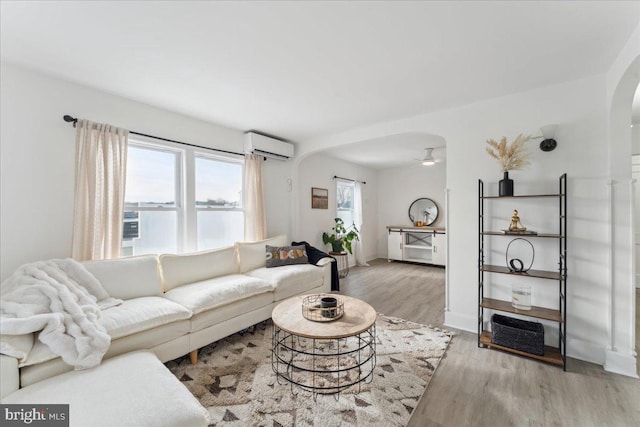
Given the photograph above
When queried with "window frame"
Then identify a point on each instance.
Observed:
(353, 193)
(185, 188)
(192, 202)
(178, 206)
(216, 158)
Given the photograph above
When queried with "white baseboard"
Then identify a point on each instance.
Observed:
(583, 350)
(620, 363)
(461, 321)
(368, 259)
(611, 361)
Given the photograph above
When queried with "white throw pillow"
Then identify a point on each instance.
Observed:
(253, 255)
(178, 270)
(129, 277)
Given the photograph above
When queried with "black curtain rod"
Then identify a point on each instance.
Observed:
(67, 118)
(347, 179)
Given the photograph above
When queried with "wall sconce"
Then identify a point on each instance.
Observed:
(548, 143)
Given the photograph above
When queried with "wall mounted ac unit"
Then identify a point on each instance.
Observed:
(265, 146)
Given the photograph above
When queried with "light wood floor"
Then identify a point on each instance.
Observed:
(482, 387)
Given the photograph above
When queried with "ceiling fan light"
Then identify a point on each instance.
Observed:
(428, 159)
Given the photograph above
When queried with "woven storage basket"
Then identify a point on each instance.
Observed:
(517, 334)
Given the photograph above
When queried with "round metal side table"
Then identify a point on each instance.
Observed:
(342, 259)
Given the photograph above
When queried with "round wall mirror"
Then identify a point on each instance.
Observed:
(423, 211)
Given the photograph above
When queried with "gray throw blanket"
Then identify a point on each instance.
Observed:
(63, 300)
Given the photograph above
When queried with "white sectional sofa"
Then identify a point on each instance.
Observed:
(175, 304)
(131, 390)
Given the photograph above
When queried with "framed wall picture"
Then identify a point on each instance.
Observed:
(319, 198)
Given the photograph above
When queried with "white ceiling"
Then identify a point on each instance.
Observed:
(406, 149)
(299, 70)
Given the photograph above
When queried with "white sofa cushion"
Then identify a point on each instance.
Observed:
(140, 314)
(9, 375)
(290, 280)
(253, 255)
(134, 389)
(229, 311)
(18, 346)
(42, 363)
(208, 294)
(129, 318)
(179, 270)
(128, 278)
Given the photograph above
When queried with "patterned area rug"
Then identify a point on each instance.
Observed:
(234, 380)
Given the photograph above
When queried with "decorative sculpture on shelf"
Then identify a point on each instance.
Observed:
(516, 225)
(524, 251)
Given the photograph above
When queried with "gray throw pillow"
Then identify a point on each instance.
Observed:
(286, 255)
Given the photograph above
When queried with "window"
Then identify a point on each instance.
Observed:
(180, 200)
(345, 202)
(151, 206)
(220, 216)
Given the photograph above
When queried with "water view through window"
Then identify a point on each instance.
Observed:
(219, 203)
(157, 212)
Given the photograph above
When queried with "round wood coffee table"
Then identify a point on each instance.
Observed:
(324, 357)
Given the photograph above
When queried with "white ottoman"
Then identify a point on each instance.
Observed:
(134, 389)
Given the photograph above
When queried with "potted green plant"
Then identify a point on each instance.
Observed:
(341, 239)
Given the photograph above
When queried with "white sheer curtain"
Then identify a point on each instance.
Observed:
(101, 172)
(255, 219)
(357, 220)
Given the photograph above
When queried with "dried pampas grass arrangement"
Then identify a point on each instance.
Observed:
(511, 157)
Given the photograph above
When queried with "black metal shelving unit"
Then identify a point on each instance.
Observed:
(554, 355)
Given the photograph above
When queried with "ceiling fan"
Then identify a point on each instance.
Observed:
(429, 159)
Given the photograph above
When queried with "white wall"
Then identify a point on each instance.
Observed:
(37, 159)
(278, 196)
(399, 187)
(318, 170)
(635, 139)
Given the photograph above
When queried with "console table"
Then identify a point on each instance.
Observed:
(425, 245)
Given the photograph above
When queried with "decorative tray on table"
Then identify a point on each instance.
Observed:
(322, 307)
